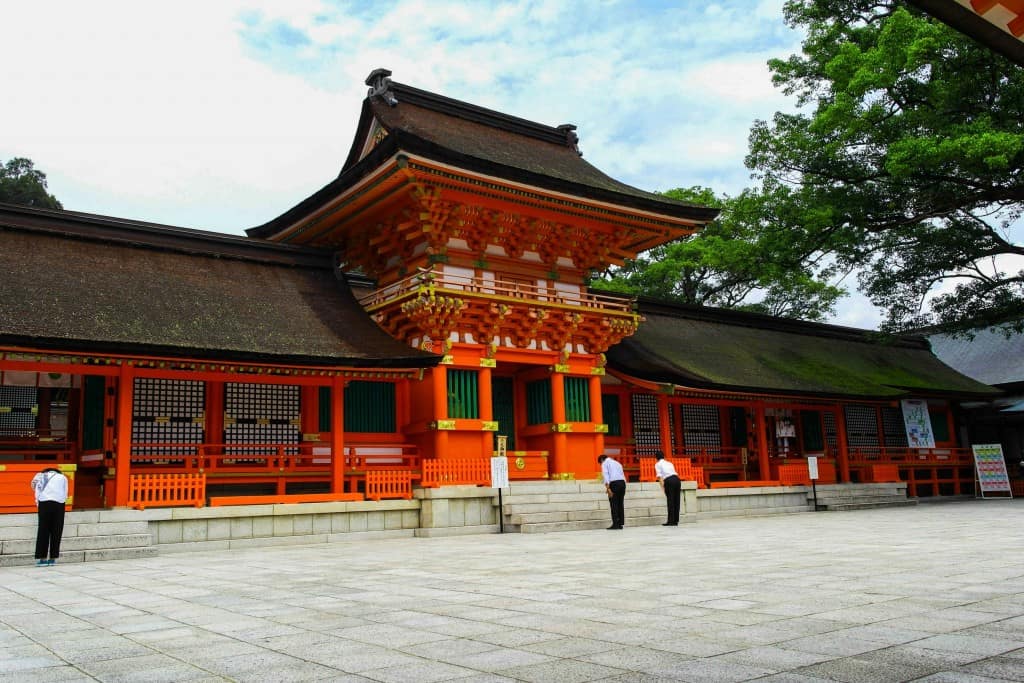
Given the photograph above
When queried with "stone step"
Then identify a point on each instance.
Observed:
(584, 525)
(839, 507)
(14, 532)
(81, 556)
(70, 543)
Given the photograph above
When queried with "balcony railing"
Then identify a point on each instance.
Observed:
(495, 289)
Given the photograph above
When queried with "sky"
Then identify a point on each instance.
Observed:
(220, 115)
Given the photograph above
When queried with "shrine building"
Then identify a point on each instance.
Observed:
(419, 314)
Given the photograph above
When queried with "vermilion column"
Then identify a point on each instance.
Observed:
(596, 413)
(440, 379)
(123, 435)
(664, 425)
(763, 466)
(486, 411)
(337, 435)
(843, 452)
(560, 461)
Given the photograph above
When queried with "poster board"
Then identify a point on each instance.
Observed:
(918, 423)
(990, 467)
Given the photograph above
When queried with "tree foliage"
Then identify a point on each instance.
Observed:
(21, 183)
(909, 166)
(734, 262)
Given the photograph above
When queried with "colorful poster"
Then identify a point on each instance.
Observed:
(918, 423)
(991, 468)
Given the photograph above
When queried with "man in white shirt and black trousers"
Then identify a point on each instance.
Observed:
(51, 492)
(615, 486)
(665, 472)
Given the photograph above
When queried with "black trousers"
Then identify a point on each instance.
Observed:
(51, 528)
(617, 501)
(673, 491)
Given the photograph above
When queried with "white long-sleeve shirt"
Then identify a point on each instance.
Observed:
(664, 469)
(51, 486)
(611, 471)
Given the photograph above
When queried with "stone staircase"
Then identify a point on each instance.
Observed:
(542, 507)
(89, 535)
(836, 497)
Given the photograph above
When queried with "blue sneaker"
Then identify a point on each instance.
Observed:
(41, 563)
(51, 562)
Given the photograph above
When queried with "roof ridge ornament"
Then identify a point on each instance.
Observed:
(571, 139)
(380, 84)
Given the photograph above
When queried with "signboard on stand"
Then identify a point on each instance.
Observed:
(499, 476)
(990, 467)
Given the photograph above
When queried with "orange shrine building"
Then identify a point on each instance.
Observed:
(420, 313)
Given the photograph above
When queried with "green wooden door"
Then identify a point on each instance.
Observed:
(503, 405)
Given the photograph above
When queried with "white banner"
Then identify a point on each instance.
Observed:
(918, 423)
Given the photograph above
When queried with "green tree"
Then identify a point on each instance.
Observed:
(737, 261)
(909, 166)
(21, 183)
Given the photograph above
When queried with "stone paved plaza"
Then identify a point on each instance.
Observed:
(931, 593)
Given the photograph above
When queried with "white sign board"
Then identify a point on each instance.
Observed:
(918, 423)
(499, 472)
(812, 466)
(991, 468)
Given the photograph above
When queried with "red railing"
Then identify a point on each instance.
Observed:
(387, 484)
(166, 490)
(910, 456)
(456, 472)
(39, 447)
(436, 282)
(267, 458)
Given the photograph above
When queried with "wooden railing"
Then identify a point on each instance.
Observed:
(456, 472)
(37, 448)
(388, 484)
(268, 458)
(166, 490)
(449, 283)
(910, 456)
(685, 468)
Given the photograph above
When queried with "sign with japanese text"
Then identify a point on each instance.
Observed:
(918, 423)
(991, 468)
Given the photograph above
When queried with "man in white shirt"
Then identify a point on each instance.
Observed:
(51, 492)
(615, 485)
(665, 472)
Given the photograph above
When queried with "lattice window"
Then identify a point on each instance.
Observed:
(701, 428)
(18, 410)
(538, 402)
(646, 427)
(861, 426)
(831, 433)
(894, 428)
(167, 411)
(463, 394)
(577, 399)
(259, 414)
(611, 414)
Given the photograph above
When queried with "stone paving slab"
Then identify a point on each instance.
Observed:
(932, 593)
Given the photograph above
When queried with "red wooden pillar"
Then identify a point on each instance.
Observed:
(665, 425)
(337, 435)
(486, 412)
(439, 376)
(764, 467)
(842, 447)
(560, 459)
(123, 434)
(596, 413)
